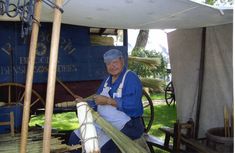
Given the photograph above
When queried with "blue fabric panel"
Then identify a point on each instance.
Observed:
(77, 60)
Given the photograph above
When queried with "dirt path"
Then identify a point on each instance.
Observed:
(159, 101)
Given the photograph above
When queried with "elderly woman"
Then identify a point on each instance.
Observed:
(118, 101)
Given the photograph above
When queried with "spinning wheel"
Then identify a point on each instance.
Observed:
(13, 93)
(148, 116)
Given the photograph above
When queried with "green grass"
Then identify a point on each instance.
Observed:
(157, 96)
(62, 122)
(163, 116)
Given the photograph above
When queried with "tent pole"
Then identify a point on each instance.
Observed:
(52, 77)
(200, 84)
(125, 35)
(29, 77)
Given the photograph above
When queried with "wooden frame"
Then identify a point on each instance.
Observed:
(11, 122)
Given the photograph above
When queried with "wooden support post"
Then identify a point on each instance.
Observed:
(52, 77)
(9, 95)
(200, 83)
(12, 124)
(29, 77)
(177, 135)
(66, 88)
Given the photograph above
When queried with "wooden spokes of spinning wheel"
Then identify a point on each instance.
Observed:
(13, 93)
(170, 94)
(148, 115)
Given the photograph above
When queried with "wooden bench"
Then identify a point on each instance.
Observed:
(169, 133)
(156, 142)
(195, 145)
(186, 138)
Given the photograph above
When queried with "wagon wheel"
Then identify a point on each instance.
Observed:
(13, 93)
(169, 93)
(148, 115)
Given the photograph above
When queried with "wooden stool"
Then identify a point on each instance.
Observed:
(178, 133)
(10, 122)
(175, 133)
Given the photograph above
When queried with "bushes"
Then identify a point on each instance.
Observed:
(152, 71)
(146, 71)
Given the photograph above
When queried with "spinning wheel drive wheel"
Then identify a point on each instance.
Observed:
(169, 94)
(148, 115)
(14, 93)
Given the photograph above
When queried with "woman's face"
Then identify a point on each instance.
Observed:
(115, 66)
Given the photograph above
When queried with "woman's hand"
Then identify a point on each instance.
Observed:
(102, 100)
(78, 98)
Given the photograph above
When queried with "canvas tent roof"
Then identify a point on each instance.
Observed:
(137, 14)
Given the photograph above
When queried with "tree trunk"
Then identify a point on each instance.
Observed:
(141, 40)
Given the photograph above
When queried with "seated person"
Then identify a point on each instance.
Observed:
(118, 101)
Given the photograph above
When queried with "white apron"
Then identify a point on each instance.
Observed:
(110, 113)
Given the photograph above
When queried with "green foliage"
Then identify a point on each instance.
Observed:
(145, 71)
(210, 2)
(218, 3)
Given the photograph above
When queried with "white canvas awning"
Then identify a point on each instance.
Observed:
(138, 14)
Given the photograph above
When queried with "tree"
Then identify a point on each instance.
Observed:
(149, 65)
(141, 40)
(217, 2)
